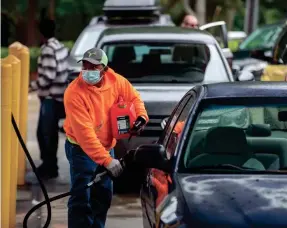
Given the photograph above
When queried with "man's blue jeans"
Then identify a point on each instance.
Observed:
(51, 112)
(88, 208)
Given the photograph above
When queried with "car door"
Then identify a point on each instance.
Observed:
(280, 46)
(157, 183)
(218, 29)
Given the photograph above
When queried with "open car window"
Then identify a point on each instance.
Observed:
(164, 62)
(244, 138)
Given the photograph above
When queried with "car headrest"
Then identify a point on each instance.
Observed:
(258, 130)
(226, 140)
(184, 53)
(151, 59)
(124, 54)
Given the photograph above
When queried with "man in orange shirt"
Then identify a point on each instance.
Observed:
(90, 143)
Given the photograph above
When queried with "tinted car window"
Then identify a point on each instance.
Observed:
(177, 128)
(236, 135)
(261, 38)
(166, 62)
(169, 128)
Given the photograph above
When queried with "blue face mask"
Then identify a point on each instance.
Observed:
(91, 77)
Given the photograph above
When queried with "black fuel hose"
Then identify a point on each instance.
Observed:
(44, 190)
(57, 197)
(47, 201)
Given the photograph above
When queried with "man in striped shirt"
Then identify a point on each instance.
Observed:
(51, 85)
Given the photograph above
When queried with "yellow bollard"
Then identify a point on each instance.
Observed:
(22, 52)
(16, 69)
(23, 117)
(6, 127)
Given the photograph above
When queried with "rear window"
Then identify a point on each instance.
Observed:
(166, 62)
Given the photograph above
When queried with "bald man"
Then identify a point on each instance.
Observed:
(189, 21)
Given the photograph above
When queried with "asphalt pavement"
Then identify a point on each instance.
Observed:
(125, 210)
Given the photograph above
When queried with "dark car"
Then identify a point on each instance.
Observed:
(221, 161)
(261, 42)
(275, 67)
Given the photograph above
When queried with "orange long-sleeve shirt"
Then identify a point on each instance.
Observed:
(87, 113)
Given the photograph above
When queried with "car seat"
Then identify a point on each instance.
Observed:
(121, 59)
(190, 55)
(123, 54)
(183, 53)
(226, 145)
(151, 59)
(261, 134)
(151, 64)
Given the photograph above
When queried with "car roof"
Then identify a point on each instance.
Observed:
(246, 89)
(156, 33)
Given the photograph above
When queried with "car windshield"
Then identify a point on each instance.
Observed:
(261, 38)
(162, 62)
(240, 138)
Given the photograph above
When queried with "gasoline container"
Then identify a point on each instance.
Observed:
(123, 116)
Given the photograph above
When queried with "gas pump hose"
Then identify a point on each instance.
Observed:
(47, 201)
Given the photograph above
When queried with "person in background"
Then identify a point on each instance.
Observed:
(50, 84)
(90, 142)
(190, 21)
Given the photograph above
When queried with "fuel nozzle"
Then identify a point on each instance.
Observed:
(101, 172)
(137, 127)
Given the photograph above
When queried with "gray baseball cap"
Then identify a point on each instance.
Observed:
(95, 56)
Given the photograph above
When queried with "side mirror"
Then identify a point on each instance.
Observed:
(245, 76)
(152, 156)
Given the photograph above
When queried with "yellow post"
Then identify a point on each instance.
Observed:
(23, 118)
(6, 100)
(22, 52)
(16, 69)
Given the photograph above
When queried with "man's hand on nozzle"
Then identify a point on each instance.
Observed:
(115, 168)
(138, 126)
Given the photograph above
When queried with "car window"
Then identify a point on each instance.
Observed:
(261, 38)
(251, 137)
(174, 129)
(161, 62)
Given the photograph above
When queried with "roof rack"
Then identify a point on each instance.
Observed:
(131, 8)
(131, 11)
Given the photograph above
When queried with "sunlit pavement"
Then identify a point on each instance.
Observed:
(125, 210)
